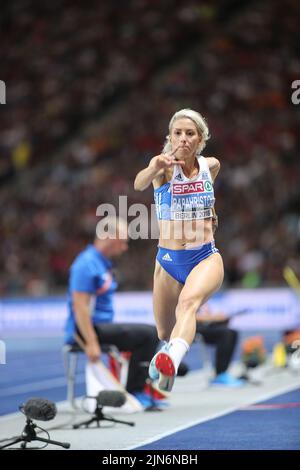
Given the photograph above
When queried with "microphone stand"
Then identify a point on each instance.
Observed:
(98, 417)
(29, 434)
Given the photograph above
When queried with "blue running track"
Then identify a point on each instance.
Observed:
(262, 429)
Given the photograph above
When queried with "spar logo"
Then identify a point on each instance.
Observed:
(189, 188)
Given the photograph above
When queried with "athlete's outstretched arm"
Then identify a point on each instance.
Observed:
(155, 169)
(145, 177)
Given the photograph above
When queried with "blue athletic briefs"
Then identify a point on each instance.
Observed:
(179, 263)
(91, 273)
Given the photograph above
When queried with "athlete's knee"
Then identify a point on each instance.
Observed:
(187, 305)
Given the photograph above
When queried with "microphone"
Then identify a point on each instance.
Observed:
(39, 408)
(112, 398)
(109, 398)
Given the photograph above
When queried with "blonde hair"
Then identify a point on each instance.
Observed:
(199, 122)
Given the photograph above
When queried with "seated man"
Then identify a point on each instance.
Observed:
(91, 323)
(214, 330)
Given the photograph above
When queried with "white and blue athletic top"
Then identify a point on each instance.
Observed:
(186, 199)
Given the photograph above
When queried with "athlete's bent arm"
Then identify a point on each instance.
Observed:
(145, 177)
(214, 167)
(155, 169)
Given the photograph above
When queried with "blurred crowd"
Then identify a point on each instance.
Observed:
(113, 73)
(64, 60)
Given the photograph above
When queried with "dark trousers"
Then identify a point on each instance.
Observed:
(140, 339)
(225, 341)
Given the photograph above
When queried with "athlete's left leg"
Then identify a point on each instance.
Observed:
(203, 281)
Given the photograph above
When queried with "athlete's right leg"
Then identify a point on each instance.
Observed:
(166, 291)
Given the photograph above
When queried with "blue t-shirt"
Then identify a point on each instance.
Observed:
(91, 273)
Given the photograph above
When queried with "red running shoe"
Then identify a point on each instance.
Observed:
(166, 369)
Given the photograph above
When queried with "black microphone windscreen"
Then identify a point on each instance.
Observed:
(111, 398)
(40, 409)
